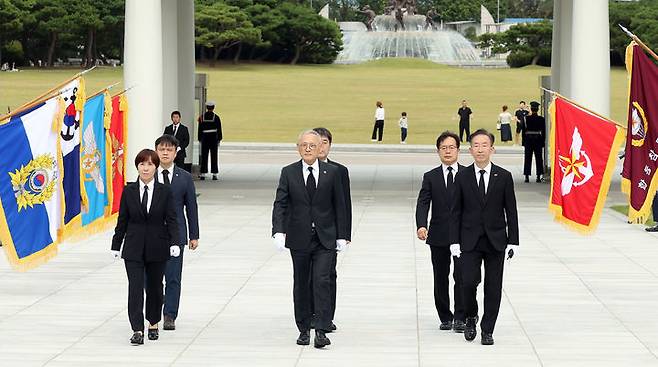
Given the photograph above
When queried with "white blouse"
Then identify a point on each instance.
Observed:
(505, 118)
(379, 113)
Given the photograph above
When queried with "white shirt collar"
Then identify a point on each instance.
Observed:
(455, 167)
(150, 184)
(487, 169)
(315, 165)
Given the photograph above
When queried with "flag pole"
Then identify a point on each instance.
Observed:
(28, 106)
(104, 89)
(55, 88)
(554, 93)
(123, 91)
(638, 41)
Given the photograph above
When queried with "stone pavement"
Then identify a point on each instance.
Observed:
(568, 300)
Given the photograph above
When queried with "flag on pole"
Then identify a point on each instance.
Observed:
(31, 193)
(583, 153)
(639, 180)
(73, 98)
(117, 135)
(97, 112)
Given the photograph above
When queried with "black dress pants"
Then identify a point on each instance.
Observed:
(312, 266)
(441, 265)
(209, 147)
(530, 150)
(154, 271)
(471, 262)
(378, 130)
(333, 277)
(464, 127)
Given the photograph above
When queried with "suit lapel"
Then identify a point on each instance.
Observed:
(442, 183)
(299, 177)
(138, 197)
(493, 178)
(157, 193)
(474, 182)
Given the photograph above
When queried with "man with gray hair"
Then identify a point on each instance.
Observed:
(309, 218)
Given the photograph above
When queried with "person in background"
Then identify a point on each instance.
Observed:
(378, 129)
(504, 119)
(404, 127)
(464, 113)
(520, 116)
(534, 138)
(210, 135)
(182, 134)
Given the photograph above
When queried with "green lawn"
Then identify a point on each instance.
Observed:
(274, 102)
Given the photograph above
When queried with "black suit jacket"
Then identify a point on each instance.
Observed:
(184, 193)
(433, 191)
(294, 212)
(345, 178)
(495, 216)
(183, 136)
(147, 236)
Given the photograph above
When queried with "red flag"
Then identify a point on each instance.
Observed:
(118, 132)
(638, 176)
(583, 153)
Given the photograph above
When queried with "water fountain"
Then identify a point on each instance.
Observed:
(417, 40)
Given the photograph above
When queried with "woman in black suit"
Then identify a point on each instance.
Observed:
(147, 222)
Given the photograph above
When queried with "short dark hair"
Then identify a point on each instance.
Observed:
(175, 113)
(324, 133)
(477, 132)
(445, 135)
(147, 155)
(167, 139)
(522, 102)
(403, 113)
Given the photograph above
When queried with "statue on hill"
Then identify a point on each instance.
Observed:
(370, 14)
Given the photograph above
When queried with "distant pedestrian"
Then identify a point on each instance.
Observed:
(520, 116)
(504, 119)
(534, 138)
(464, 113)
(378, 130)
(404, 126)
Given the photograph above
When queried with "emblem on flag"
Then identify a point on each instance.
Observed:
(576, 166)
(34, 183)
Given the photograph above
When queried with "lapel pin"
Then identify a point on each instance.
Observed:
(325, 172)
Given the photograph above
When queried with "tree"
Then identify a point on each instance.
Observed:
(10, 23)
(308, 36)
(267, 20)
(527, 43)
(220, 26)
(55, 21)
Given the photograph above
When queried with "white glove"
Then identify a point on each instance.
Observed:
(455, 250)
(115, 254)
(341, 245)
(511, 251)
(174, 250)
(279, 240)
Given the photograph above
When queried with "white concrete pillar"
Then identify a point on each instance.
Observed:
(566, 18)
(143, 73)
(170, 80)
(186, 69)
(590, 55)
(555, 46)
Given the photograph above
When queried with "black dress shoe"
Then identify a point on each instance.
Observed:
(332, 328)
(304, 338)
(458, 326)
(214, 177)
(538, 180)
(527, 179)
(137, 338)
(487, 339)
(321, 339)
(446, 325)
(469, 329)
(169, 324)
(153, 334)
(652, 229)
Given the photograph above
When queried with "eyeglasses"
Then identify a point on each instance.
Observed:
(306, 146)
(447, 147)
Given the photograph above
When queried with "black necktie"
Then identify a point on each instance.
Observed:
(145, 199)
(165, 176)
(175, 129)
(481, 184)
(451, 181)
(310, 183)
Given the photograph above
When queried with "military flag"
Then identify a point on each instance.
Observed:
(583, 151)
(117, 136)
(31, 193)
(639, 180)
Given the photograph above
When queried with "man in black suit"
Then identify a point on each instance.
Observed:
(210, 135)
(325, 148)
(483, 227)
(182, 187)
(180, 132)
(438, 189)
(309, 218)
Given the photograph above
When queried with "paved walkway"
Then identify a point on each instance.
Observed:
(568, 300)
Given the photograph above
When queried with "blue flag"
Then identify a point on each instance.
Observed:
(94, 158)
(31, 194)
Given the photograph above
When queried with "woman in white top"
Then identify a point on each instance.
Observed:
(378, 130)
(504, 120)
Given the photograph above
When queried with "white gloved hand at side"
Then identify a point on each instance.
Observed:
(115, 254)
(279, 240)
(174, 251)
(341, 245)
(511, 251)
(455, 250)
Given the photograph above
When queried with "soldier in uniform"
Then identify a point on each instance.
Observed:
(534, 137)
(210, 134)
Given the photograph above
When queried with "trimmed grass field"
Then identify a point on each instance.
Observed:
(274, 102)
